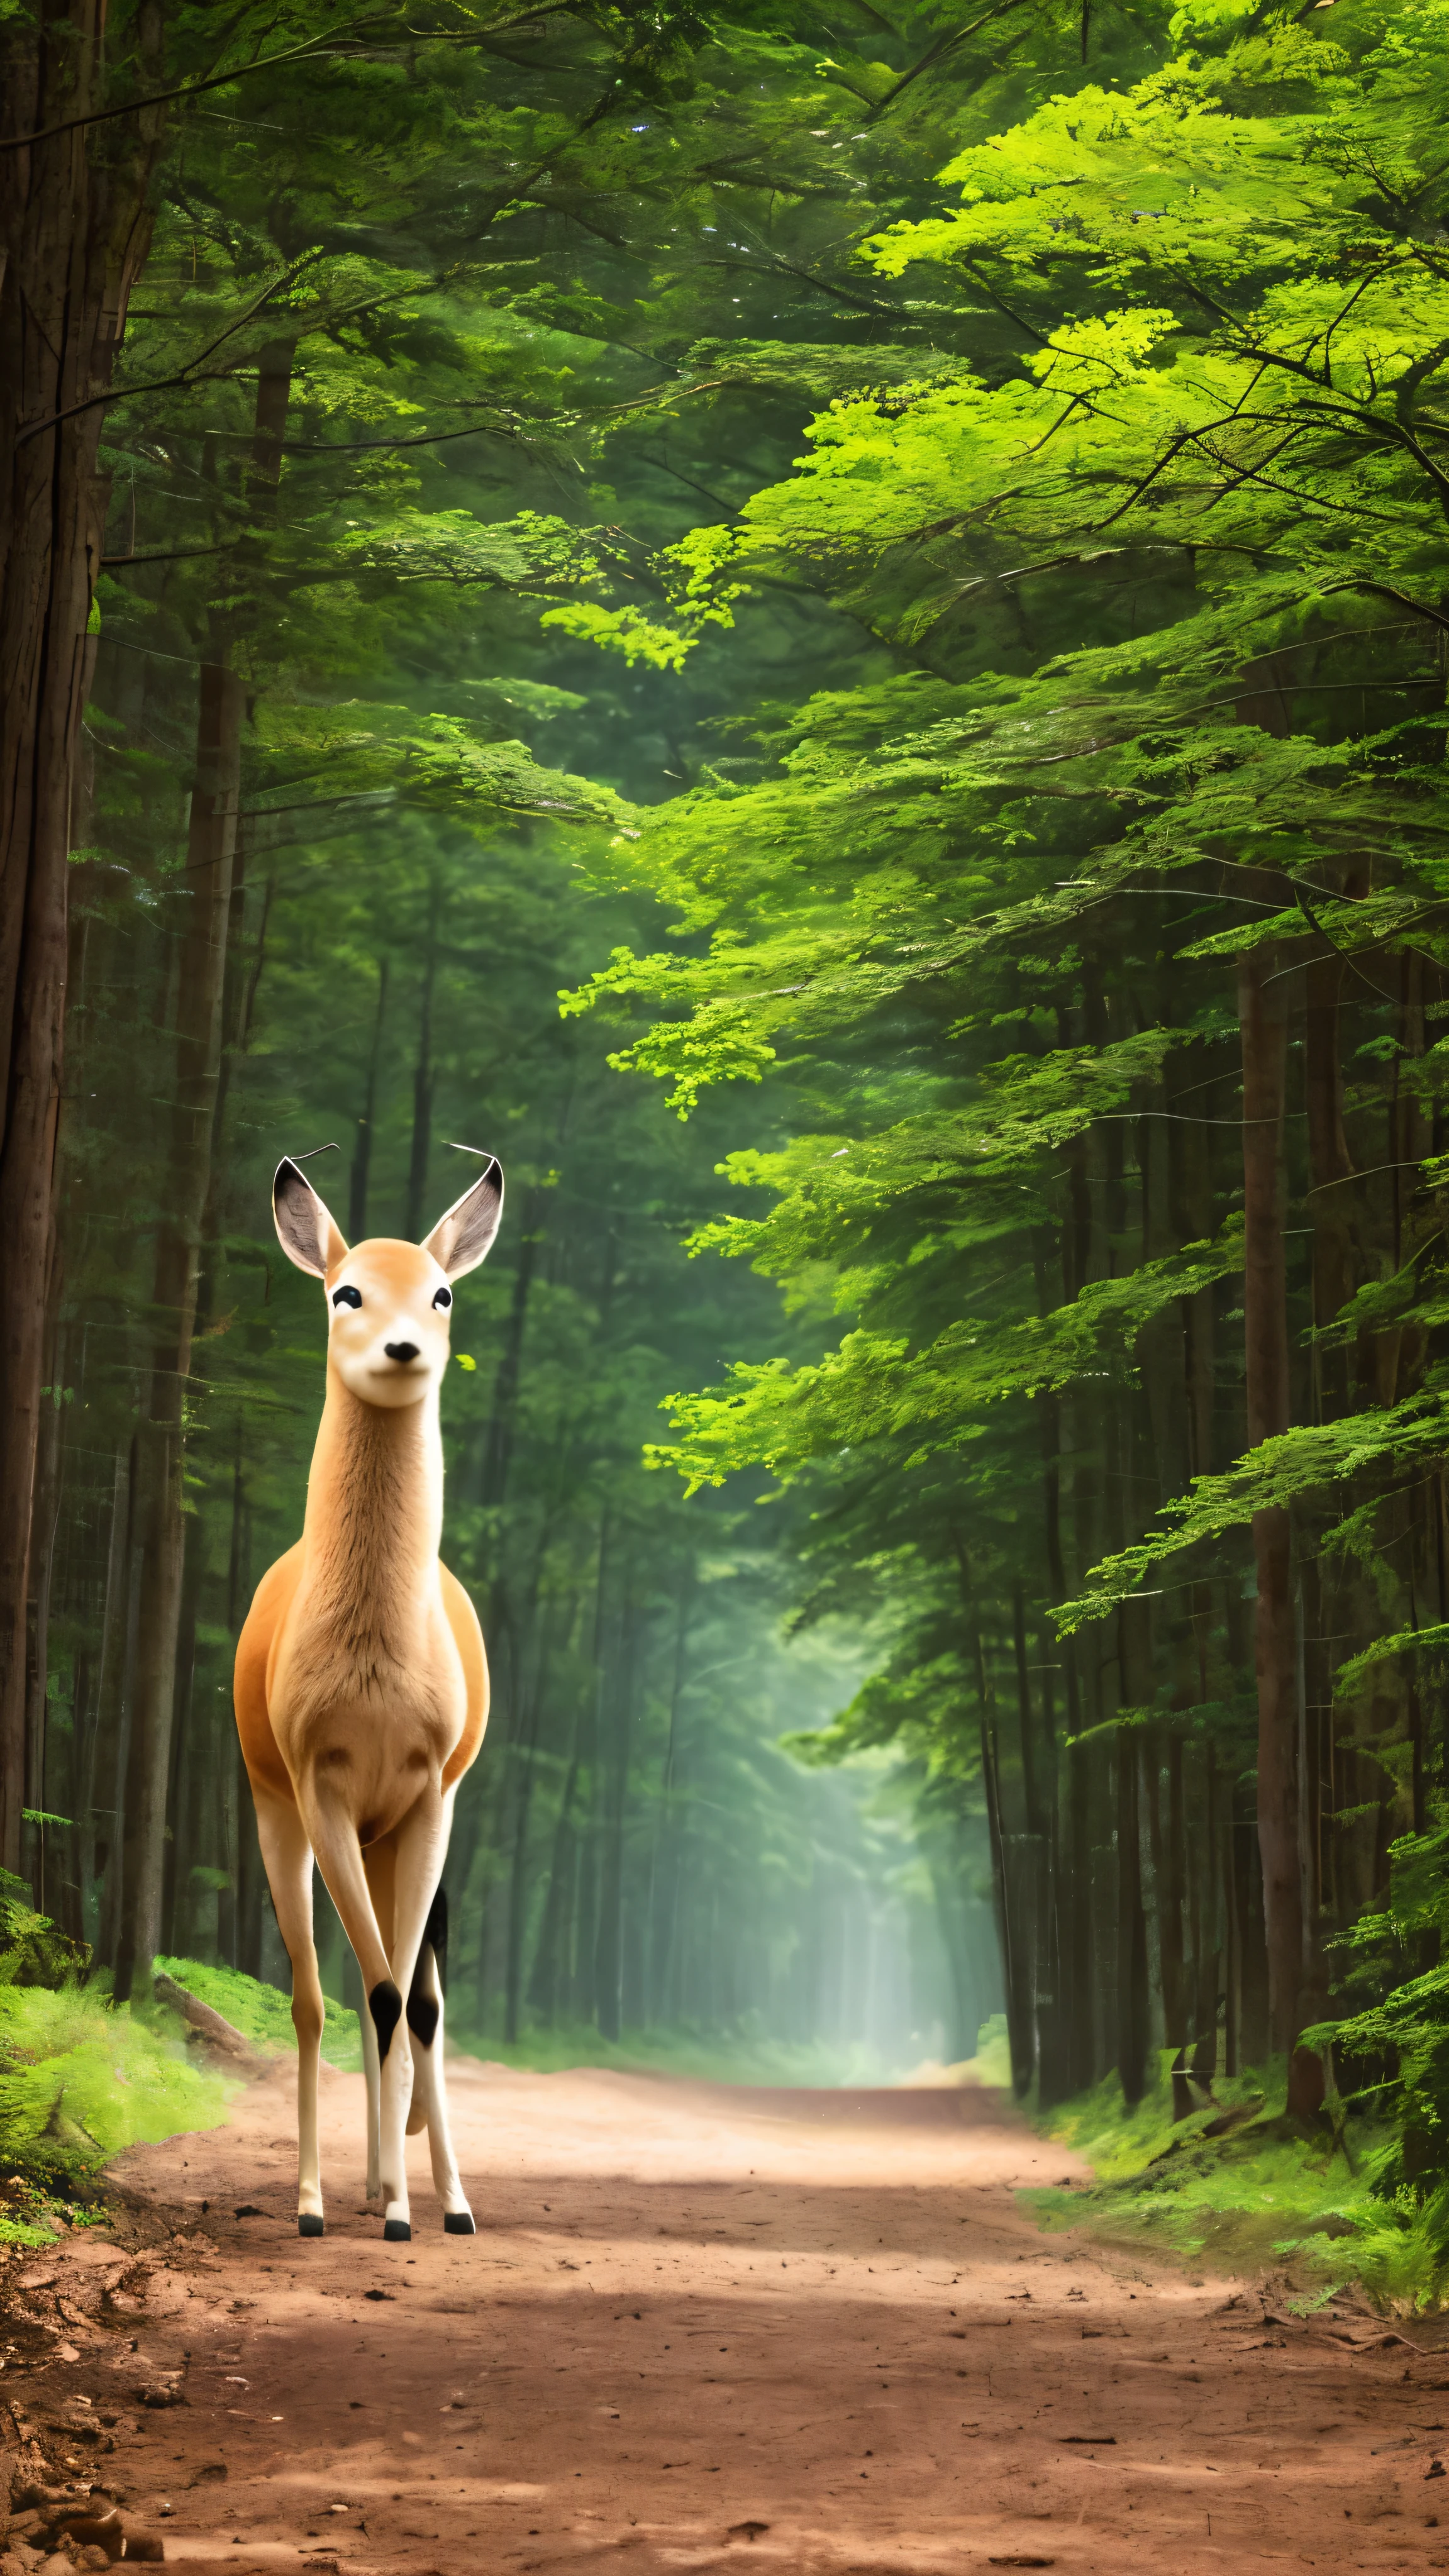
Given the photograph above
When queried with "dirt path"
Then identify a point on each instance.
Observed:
(697, 2323)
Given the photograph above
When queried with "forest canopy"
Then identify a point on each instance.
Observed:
(829, 636)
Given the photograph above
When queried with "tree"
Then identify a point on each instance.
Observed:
(1167, 566)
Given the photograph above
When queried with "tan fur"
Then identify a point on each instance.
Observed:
(361, 1679)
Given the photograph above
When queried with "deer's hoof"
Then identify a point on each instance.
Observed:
(458, 2222)
(397, 2231)
(310, 2224)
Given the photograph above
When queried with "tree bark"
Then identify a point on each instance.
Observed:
(73, 233)
(211, 860)
(1132, 1983)
(160, 1524)
(609, 1953)
(1262, 1019)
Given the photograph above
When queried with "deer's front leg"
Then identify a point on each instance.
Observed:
(287, 1855)
(377, 1861)
(339, 1857)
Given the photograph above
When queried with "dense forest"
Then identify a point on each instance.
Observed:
(826, 628)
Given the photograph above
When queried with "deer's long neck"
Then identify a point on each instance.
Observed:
(374, 1519)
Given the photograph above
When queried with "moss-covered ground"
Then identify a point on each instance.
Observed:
(1239, 2187)
(263, 2014)
(81, 2078)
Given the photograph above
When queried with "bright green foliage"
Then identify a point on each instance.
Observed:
(1409, 2029)
(1153, 567)
(33, 1950)
(81, 2079)
(873, 1388)
(262, 2014)
(1314, 1460)
(1260, 2195)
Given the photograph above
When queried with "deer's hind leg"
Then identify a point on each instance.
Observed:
(420, 1844)
(430, 2100)
(378, 1862)
(287, 1855)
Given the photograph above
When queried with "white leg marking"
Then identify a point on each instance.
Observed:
(430, 2100)
(372, 2069)
(420, 1844)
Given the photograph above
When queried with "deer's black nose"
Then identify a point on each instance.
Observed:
(401, 1351)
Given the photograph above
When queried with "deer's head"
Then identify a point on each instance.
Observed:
(389, 1304)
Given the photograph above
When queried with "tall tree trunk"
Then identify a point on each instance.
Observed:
(1132, 1986)
(160, 1523)
(1263, 1025)
(1171, 1888)
(200, 1030)
(664, 1818)
(550, 1976)
(73, 234)
(609, 1956)
(49, 1472)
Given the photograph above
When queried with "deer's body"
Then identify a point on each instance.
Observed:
(362, 1685)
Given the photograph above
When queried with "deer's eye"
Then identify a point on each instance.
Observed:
(346, 1296)
(444, 1297)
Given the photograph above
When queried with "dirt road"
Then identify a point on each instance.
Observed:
(698, 2326)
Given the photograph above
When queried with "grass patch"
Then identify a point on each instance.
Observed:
(81, 2079)
(1267, 2193)
(263, 2014)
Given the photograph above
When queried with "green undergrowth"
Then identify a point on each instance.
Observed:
(263, 2014)
(81, 2077)
(1265, 2192)
(992, 2061)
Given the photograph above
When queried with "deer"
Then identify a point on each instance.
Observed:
(361, 1684)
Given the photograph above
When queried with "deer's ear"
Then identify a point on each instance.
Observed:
(306, 1229)
(464, 1237)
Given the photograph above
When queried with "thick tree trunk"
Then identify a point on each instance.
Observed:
(160, 1525)
(1262, 1018)
(211, 860)
(73, 234)
(1133, 2032)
